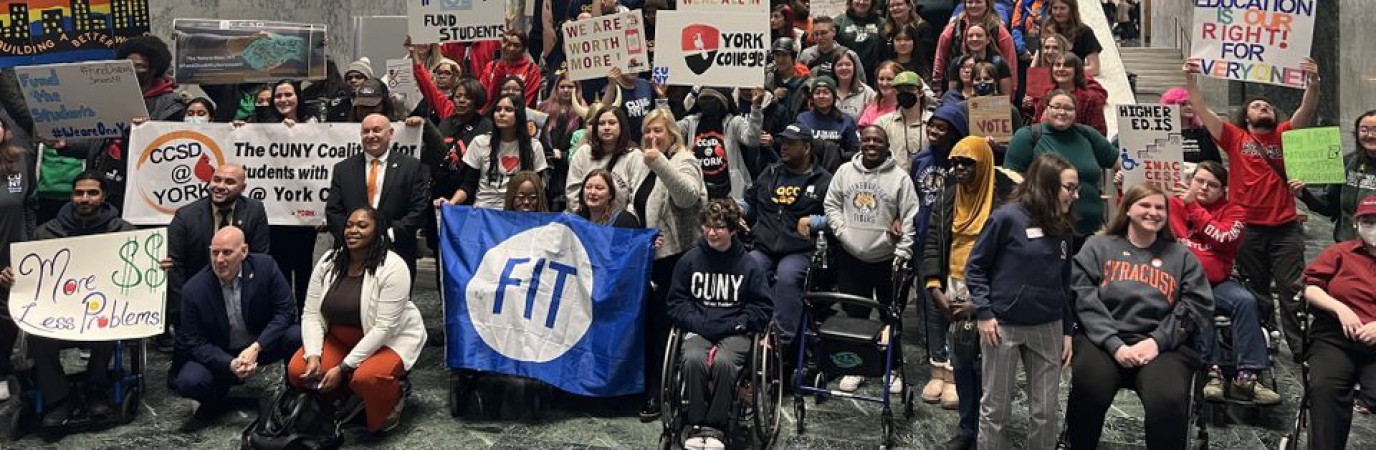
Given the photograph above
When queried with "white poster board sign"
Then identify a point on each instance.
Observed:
(401, 82)
(92, 288)
(722, 49)
(85, 100)
(728, 6)
(1150, 146)
(288, 168)
(431, 21)
(1259, 42)
(597, 45)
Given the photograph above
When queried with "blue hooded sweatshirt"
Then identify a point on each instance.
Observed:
(929, 166)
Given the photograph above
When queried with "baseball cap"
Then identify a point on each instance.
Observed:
(784, 45)
(796, 132)
(907, 78)
(1367, 207)
(370, 93)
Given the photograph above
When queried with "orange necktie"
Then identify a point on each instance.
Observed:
(372, 180)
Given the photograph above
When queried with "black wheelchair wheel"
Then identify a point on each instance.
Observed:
(820, 382)
(129, 406)
(800, 410)
(888, 429)
(670, 389)
(769, 392)
(909, 403)
(1288, 443)
(20, 421)
(666, 442)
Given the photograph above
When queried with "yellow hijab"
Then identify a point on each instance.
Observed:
(974, 205)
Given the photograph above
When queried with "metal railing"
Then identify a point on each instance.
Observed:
(1182, 35)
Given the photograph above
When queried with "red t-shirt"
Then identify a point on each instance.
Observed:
(1345, 271)
(1253, 183)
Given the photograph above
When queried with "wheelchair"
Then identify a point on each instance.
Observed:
(754, 420)
(1220, 410)
(125, 393)
(1291, 440)
(841, 346)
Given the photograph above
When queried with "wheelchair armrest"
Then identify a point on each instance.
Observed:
(812, 298)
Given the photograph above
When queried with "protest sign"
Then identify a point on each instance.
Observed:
(58, 31)
(1150, 145)
(92, 288)
(597, 45)
(288, 168)
(827, 8)
(1253, 40)
(82, 100)
(723, 49)
(401, 82)
(730, 6)
(431, 21)
(1314, 155)
(239, 51)
(991, 116)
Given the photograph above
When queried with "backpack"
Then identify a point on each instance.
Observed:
(293, 420)
(55, 174)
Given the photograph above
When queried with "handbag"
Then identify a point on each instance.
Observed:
(293, 420)
(963, 334)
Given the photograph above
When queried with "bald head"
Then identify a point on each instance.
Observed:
(227, 183)
(227, 253)
(377, 134)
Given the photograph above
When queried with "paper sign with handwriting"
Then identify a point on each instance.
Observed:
(92, 288)
(1314, 155)
(82, 100)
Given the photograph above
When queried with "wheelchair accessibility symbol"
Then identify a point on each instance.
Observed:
(846, 360)
(1128, 162)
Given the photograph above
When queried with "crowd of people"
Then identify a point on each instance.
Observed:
(861, 133)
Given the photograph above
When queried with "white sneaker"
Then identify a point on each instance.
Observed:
(4, 391)
(703, 443)
(850, 383)
(896, 384)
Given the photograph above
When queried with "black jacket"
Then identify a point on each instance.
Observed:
(67, 224)
(936, 247)
(403, 202)
(192, 227)
(719, 294)
(775, 224)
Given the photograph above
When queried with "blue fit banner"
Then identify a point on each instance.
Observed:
(547, 296)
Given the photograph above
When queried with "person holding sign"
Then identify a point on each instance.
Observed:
(513, 63)
(1273, 251)
(1069, 75)
(87, 214)
(1196, 143)
(1340, 200)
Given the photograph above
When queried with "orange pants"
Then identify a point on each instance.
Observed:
(377, 381)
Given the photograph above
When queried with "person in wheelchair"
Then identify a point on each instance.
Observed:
(870, 207)
(87, 214)
(718, 298)
(1205, 222)
(1142, 299)
(1342, 347)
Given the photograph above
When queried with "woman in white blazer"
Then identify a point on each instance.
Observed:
(359, 330)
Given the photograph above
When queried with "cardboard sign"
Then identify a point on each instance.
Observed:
(721, 49)
(1314, 155)
(595, 46)
(432, 21)
(1149, 144)
(289, 168)
(1255, 41)
(730, 6)
(828, 8)
(401, 82)
(991, 116)
(82, 100)
(58, 31)
(239, 51)
(92, 288)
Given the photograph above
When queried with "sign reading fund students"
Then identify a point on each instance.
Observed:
(432, 21)
(288, 168)
(722, 49)
(82, 100)
(91, 288)
(1261, 41)
(1314, 155)
(1149, 144)
(746, 6)
(597, 45)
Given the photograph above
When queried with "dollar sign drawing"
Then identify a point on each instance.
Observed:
(129, 275)
(154, 274)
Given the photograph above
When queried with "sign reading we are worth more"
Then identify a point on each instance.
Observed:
(432, 21)
(82, 100)
(721, 49)
(597, 45)
(1260, 41)
(1150, 146)
(91, 288)
(288, 168)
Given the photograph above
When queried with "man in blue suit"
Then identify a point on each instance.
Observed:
(236, 314)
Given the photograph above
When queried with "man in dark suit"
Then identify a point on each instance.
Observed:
(391, 182)
(237, 313)
(192, 227)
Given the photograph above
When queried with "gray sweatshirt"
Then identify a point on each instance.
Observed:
(862, 203)
(1125, 294)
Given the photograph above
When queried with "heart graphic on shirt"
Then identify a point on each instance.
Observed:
(510, 162)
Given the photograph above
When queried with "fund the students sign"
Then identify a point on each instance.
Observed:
(597, 45)
(1261, 41)
(431, 21)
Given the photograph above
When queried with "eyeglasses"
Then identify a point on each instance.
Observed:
(527, 198)
(1209, 184)
(1366, 130)
(961, 161)
(1066, 108)
(1071, 187)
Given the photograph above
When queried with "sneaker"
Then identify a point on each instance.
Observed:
(959, 442)
(704, 438)
(1263, 395)
(649, 412)
(393, 419)
(58, 415)
(4, 390)
(165, 343)
(850, 383)
(84, 353)
(896, 384)
(1213, 391)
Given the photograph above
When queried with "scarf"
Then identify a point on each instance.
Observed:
(972, 206)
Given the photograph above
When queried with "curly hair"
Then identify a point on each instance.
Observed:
(153, 49)
(725, 212)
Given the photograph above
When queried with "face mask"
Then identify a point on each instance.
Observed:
(982, 89)
(907, 99)
(196, 119)
(1368, 234)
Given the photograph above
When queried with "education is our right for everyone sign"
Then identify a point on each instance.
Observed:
(1259, 41)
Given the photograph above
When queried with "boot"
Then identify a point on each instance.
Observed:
(931, 393)
(949, 399)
